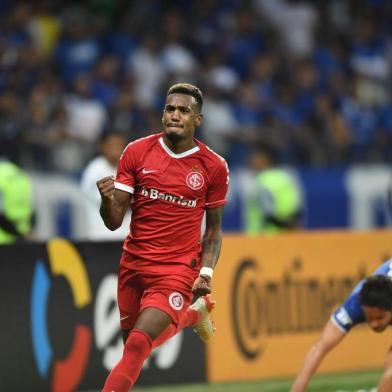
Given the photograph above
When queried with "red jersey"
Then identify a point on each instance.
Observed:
(170, 193)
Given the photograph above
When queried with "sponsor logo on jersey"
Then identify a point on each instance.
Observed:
(176, 300)
(146, 171)
(155, 194)
(195, 180)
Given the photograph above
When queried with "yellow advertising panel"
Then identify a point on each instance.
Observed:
(275, 293)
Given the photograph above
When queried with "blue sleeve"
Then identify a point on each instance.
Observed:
(350, 313)
(385, 269)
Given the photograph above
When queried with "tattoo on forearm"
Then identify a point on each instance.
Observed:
(110, 206)
(211, 250)
(212, 240)
(117, 206)
(112, 212)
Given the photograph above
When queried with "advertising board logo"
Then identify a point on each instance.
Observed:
(246, 311)
(66, 262)
(291, 303)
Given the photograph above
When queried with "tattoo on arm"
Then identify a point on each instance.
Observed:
(113, 210)
(117, 206)
(212, 239)
(109, 207)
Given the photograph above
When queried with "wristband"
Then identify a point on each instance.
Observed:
(206, 271)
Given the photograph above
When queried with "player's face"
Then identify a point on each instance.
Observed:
(377, 319)
(180, 117)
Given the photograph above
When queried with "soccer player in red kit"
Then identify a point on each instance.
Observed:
(170, 179)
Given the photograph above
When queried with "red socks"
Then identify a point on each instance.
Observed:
(170, 331)
(122, 377)
(191, 317)
(137, 348)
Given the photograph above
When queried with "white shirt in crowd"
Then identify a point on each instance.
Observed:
(95, 228)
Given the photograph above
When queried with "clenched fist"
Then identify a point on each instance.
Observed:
(106, 187)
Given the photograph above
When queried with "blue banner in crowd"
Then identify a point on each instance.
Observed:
(352, 198)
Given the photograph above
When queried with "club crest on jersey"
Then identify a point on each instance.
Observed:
(176, 301)
(195, 180)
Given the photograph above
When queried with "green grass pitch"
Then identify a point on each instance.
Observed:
(345, 382)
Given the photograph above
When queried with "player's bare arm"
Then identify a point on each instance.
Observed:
(211, 246)
(114, 203)
(385, 384)
(212, 239)
(330, 338)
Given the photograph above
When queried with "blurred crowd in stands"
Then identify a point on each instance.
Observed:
(311, 78)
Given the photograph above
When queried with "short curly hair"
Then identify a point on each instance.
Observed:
(187, 89)
(376, 292)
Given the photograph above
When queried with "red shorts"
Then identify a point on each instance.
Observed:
(138, 290)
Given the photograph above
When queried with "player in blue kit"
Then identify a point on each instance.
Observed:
(370, 302)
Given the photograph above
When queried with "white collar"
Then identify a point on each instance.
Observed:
(182, 154)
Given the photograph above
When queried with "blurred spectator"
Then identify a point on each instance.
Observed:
(11, 125)
(124, 114)
(105, 86)
(176, 58)
(361, 118)
(123, 40)
(219, 123)
(264, 63)
(13, 29)
(370, 50)
(44, 27)
(111, 146)
(216, 71)
(59, 142)
(87, 114)
(248, 114)
(274, 203)
(262, 73)
(87, 119)
(244, 40)
(35, 134)
(146, 69)
(78, 49)
(327, 134)
(16, 204)
(385, 131)
(295, 21)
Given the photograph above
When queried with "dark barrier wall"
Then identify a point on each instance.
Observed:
(59, 328)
